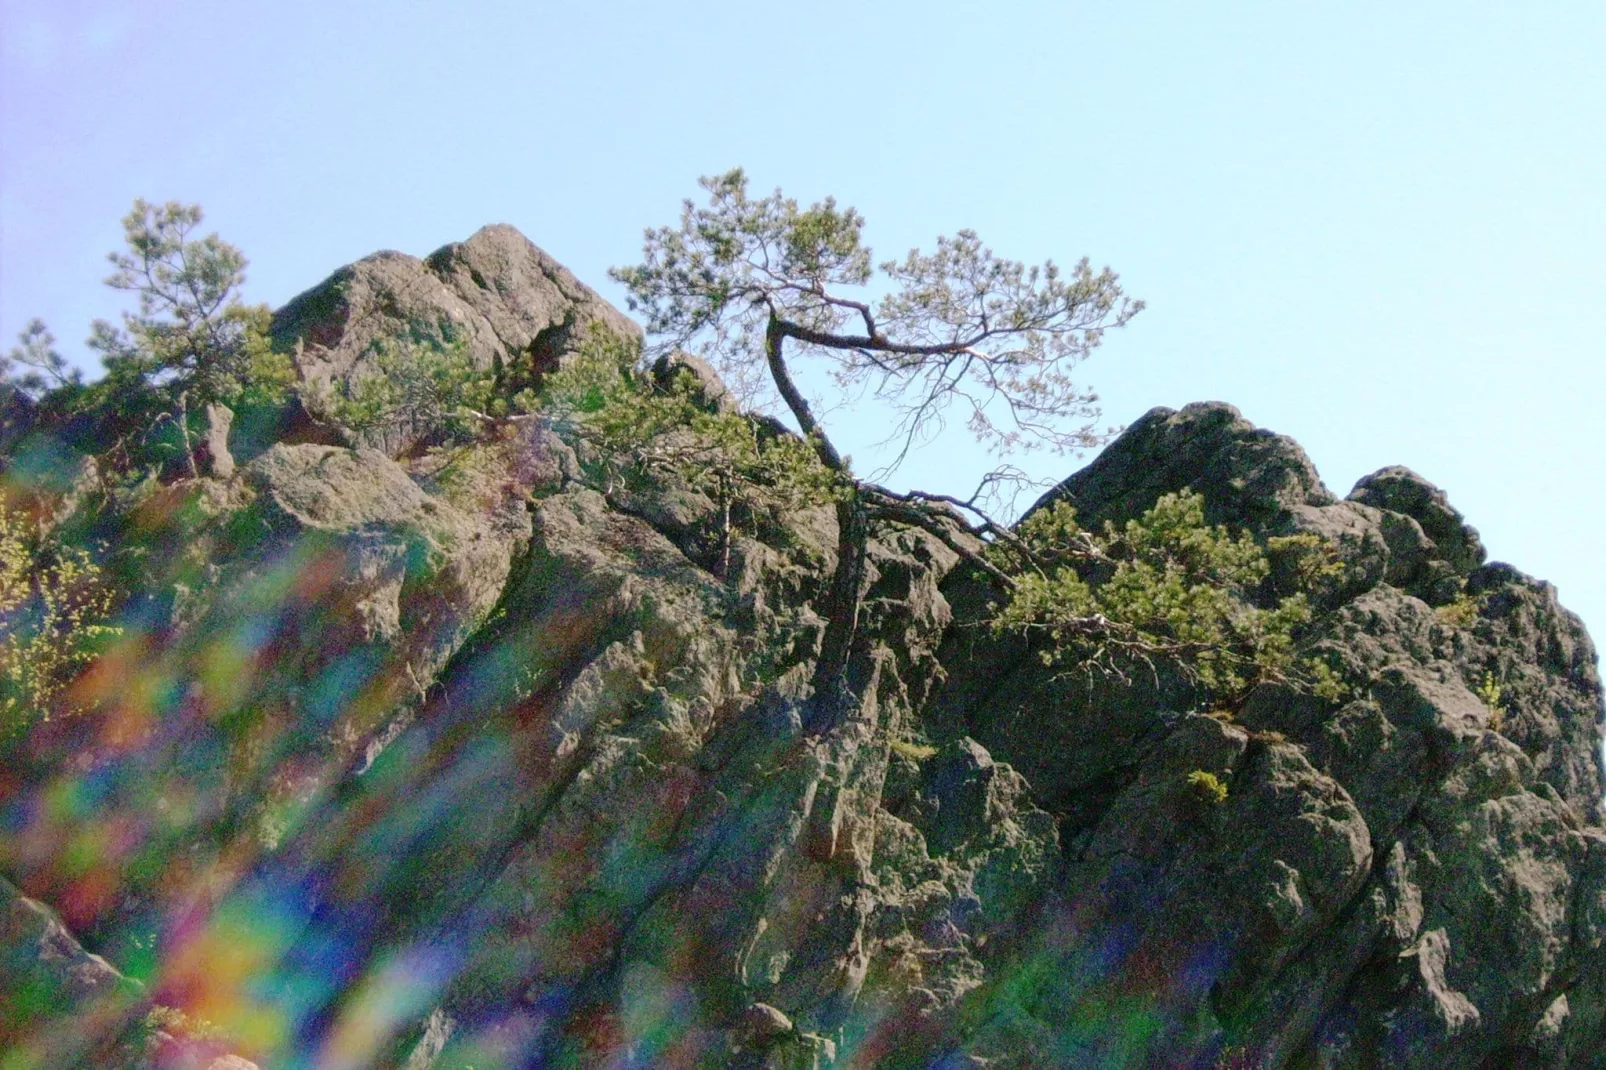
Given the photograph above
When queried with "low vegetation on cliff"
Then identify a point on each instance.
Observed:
(436, 672)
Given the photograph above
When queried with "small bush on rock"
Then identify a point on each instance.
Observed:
(1165, 588)
(1461, 613)
(1492, 692)
(631, 429)
(54, 607)
(1207, 787)
(429, 386)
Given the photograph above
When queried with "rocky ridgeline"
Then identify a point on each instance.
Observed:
(508, 771)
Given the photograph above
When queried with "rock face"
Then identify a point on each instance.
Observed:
(494, 766)
(57, 997)
(1361, 897)
(504, 300)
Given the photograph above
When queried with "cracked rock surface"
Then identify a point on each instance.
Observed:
(510, 772)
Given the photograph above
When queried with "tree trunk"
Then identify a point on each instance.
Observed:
(833, 697)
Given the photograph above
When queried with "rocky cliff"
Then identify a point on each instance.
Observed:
(497, 768)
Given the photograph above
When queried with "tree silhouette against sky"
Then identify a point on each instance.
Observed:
(757, 284)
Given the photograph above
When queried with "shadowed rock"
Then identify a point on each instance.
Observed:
(498, 766)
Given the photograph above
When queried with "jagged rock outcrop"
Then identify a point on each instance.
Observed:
(434, 765)
(507, 302)
(56, 998)
(1398, 878)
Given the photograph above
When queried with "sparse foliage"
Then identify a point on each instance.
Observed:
(1493, 694)
(915, 752)
(191, 334)
(430, 386)
(633, 428)
(36, 351)
(1207, 787)
(1461, 613)
(1312, 563)
(54, 608)
(960, 326)
(189, 343)
(1164, 589)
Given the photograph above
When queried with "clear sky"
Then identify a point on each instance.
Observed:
(1377, 227)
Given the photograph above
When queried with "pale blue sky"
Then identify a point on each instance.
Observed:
(1377, 227)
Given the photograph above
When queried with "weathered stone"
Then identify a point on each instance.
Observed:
(1248, 475)
(1454, 947)
(1400, 490)
(513, 771)
(58, 1002)
(504, 300)
(216, 460)
(707, 387)
(763, 1026)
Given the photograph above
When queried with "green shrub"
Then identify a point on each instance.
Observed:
(1492, 692)
(915, 752)
(54, 607)
(1310, 561)
(1461, 613)
(632, 430)
(428, 386)
(1164, 589)
(1207, 787)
